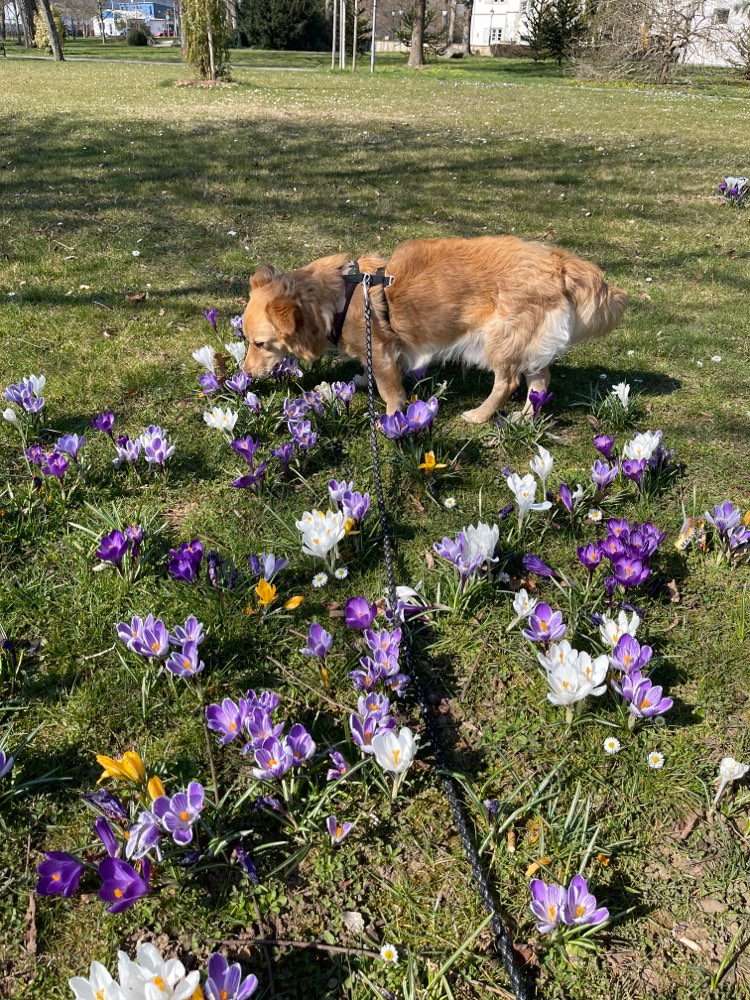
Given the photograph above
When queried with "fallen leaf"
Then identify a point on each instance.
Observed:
(592, 420)
(354, 922)
(429, 558)
(418, 504)
(685, 826)
(673, 591)
(137, 297)
(29, 935)
(710, 905)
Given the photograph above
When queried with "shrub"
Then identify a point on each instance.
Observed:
(138, 34)
(41, 35)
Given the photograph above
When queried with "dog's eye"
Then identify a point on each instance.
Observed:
(258, 343)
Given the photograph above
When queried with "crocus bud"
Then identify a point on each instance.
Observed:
(156, 788)
(10, 415)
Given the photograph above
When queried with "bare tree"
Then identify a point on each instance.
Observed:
(416, 50)
(27, 9)
(85, 11)
(466, 35)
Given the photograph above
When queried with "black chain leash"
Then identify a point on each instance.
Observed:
(503, 943)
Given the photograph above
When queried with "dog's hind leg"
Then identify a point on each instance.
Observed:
(506, 381)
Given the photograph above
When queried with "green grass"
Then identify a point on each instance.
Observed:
(102, 160)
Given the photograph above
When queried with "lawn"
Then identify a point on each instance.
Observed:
(128, 207)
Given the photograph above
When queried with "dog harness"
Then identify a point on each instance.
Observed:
(352, 278)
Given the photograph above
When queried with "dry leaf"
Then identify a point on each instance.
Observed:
(511, 841)
(429, 558)
(354, 922)
(710, 905)
(592, 420)
(685, 826)
(29, 935)
(418, 504)
(673, 591)
(137, 297)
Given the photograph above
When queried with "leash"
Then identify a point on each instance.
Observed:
(503, 943)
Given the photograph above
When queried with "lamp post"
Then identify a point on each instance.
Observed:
(492, 14)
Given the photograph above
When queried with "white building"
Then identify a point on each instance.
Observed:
(718, 26)
(497, 22)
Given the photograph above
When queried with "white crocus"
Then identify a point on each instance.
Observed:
(38, 383)
(321, 532)
(555, 657)
(642, 445)
(395, 753)
(238, 350)
(523, 605)
(577, 495)
(523, 489)
(577, 677)
(153, 978)
(205, 356)
(481, 540)
(326, 392)
(612, 630)
(729, 770)
(222, 420)
(542, 464)
(99, 986)
(622, 392)
(10, 415)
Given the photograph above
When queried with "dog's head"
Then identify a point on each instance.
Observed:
(279, 321)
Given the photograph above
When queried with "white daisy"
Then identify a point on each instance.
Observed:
(320, 580)
(595, 515)
(341, 573)
(136, 253)
(389, 954)
(655, 760)
(449, 503)
(611, 745)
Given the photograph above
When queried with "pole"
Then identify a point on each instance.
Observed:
(372, 36)
(333, 38)
(342, 35)
(354, 39)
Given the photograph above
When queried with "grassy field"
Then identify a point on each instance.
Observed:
(103, 162)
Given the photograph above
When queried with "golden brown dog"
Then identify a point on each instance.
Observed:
(495, 302)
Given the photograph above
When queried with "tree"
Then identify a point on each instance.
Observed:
(435, 36)
(204, 34)
(416, 48)
(287, 24)
(563, 26)
(49, 30)
(28, 9)
(466, 33)
(538, 14)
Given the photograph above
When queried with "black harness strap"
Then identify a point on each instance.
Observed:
(352, 278)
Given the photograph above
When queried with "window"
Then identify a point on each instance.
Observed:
(524, 5)
(496, 36)
(721, 16)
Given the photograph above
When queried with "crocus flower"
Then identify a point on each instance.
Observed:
(633, 469)
(621, 391)
(106, 834)
(227, 719)
(321, 532)
(71, 444)
(384, 641)
(104, 422)
(6, 763)
(156, 447)
(178, 814)
(603, 474)
(267, 565)
(54, 464)
(134, 535)
(300, 743)
(604, 444)
(238, 351)
(185, 561)
(208, 383)
(524, 490)
(273, 758)
(456, 552)
(480, 541)
(725, 518)
(395, 426)
(284, 453)
(128, 451)
(642, 446)
(9, 414)
(340, 767)
(59, 874)
(590, 556)
(156, 976)
(99, 986)
(355, 505)
(644, 698)
(252, 402)
(295, 410)
(153, 640)
(336, 830)
(541, 465)
(211, 315)
(730, 770)
(547, 904)
(420, 415)
(266, 701)
(539, 398)
(318, 642)
(629, 572)
(221, 420)
(393, 752)
(533, 564)
(359, 613)
(252, 478)
(363, 730)
(286, 368)
(122, 886)
(143, 836)
(577, 677)
(523, 605)
(611, 630)
(128, 768)
(191, 631)
(225, 981)
(545, 625)
(303, 434)
(238, 383)
(108, 804)
(580, 905)
(185, 662)
(629, 656)
(112, 548)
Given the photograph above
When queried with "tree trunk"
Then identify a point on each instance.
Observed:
(416, 51)
(28, 9)
(451, 21)
(466, 37)
(54, 38)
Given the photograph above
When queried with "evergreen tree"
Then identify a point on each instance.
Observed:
(286, 24)
(538, 15)
(564, 28)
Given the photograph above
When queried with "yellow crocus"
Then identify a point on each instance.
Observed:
(198, 995)
(350, 525)
(266, 593)
(746, 519)
(155, 788)
(128, 768)
(294, 602)
(429, 465)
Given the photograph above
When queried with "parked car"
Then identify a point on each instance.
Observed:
(165, 33)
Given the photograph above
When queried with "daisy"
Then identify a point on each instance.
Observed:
(341, 573)
(655, 760)
(595, 515)
(611, 745)
(320, 580)
(449, 503)
(388, 953)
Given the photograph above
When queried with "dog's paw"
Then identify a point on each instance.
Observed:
(475, 416)
(519, 417)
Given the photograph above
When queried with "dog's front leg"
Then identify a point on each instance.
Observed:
(506, 381)
(388, 380)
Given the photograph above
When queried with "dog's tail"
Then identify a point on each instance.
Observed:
(598, 306)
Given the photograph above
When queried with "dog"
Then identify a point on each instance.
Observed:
(495, 302)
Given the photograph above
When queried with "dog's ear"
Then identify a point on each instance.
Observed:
(263, 276)
(285, 315)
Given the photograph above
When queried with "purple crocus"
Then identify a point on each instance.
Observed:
(303, 434)
(373, 704)
(629, 656)
(260, 727)
(225, 981)
(284, 453)
(54, 464)
(344, 391)
(539, 398)
(6, 763)
(604, 444)
(603, 474)
(337, 490)
(633, 469)
(318, 642)
(143, 837)
(152, 641)
(420, 415)
(267, 701)
(178, 813)
(211, 315)
(359, 613)
(134, 534)
(295, 409)
(629, 572)
(208, 383)
(252, 402)
(247, 864)
(191, 631)
(185, 561)
(314, 401)
(71, 444)
(566, 497)
(246, 447)
(228, 718)
(644, 699)
(59, 874)
(106, 834)
(184, 662)
(547, 905)
(337, 831)
(104, 422)
(395, 426)
(273, 759)
(545, 625)
(590, 556)
(300, 743)
(286, 368)
(267, 565)
(384, 641)
(455, 552)
(122, 886)
(355, 505)
(533, 564)
(112, 548)
(128, 451)
(253, 478)
(581, 906)
(156, 446)
(108, 804)
(340, 767)
(363, 729)
(725, 517)
(238, 383)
